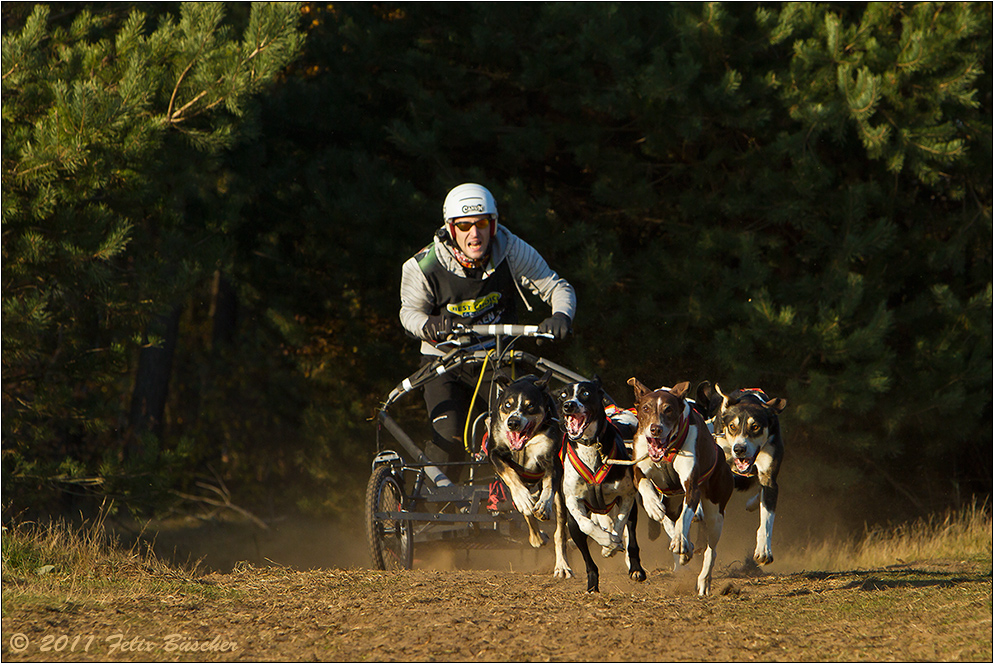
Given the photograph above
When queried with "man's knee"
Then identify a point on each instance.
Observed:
(448, 430)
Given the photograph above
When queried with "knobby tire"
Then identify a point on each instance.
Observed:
(391, 542)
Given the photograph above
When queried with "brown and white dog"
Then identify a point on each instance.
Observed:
(524, 448)
(599, 495)
(679, 469)
(747, 427)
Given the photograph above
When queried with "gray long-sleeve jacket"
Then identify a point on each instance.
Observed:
(528, 269)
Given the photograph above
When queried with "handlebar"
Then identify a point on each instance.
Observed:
(465, 345)
(507, 331)
(465, 336)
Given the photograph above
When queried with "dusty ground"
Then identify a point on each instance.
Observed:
(913, 612)
(303, 591)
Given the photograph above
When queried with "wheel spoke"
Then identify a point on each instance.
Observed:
(390, 540)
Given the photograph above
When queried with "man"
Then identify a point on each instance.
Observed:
(472, 274)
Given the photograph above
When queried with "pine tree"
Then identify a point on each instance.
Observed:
(110, 214)
(791, 196)
(795, 197)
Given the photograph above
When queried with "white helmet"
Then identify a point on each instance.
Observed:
(467, 200)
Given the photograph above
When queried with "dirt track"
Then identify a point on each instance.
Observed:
(911, 612)
(306, 593)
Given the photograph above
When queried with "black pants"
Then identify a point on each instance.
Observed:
(447, 399)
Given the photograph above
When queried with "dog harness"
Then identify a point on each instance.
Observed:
(677, 438)
(591, 477)
(602, 510)
(674, 444)
(498, 493)
(526, 476)
(680, 492)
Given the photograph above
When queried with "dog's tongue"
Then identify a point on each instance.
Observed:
(575, 424)
(742, 465)
(517, 439)
(656, 448)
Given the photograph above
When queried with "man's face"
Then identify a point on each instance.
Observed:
(473, 235)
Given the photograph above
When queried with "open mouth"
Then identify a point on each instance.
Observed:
(474, 246)
(517, 439)
(656, 448)
(743, 466)
(576, 423)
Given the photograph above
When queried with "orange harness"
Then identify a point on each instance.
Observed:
(589, 476)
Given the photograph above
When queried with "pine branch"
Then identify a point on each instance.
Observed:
(179, 81)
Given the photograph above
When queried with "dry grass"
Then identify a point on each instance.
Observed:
(964, 534)
(81, 563)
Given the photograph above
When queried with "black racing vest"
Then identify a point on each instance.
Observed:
(467, 300)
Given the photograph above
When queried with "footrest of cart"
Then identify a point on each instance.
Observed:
(436, 517)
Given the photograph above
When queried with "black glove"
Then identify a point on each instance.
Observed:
(558, 325)
(438, 328)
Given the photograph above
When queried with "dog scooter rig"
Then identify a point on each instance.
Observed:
(414, 500)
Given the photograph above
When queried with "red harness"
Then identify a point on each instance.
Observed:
(589, 476)
(526, 475)
(602, 510)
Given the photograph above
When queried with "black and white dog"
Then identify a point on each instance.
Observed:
(599, 495)
(524, 448)
(747, 427)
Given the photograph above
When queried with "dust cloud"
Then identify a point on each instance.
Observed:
(810, 512)
(221, 544)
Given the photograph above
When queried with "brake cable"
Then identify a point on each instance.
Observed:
(472, 402)
(508, 351)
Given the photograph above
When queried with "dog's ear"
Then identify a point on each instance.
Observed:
(640, 389)
(777, 405)
(702, 399)
(503, 379)
(680, 389)
(543, 382)
(724, 397)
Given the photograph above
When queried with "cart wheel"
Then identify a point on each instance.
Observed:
(391, 543)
